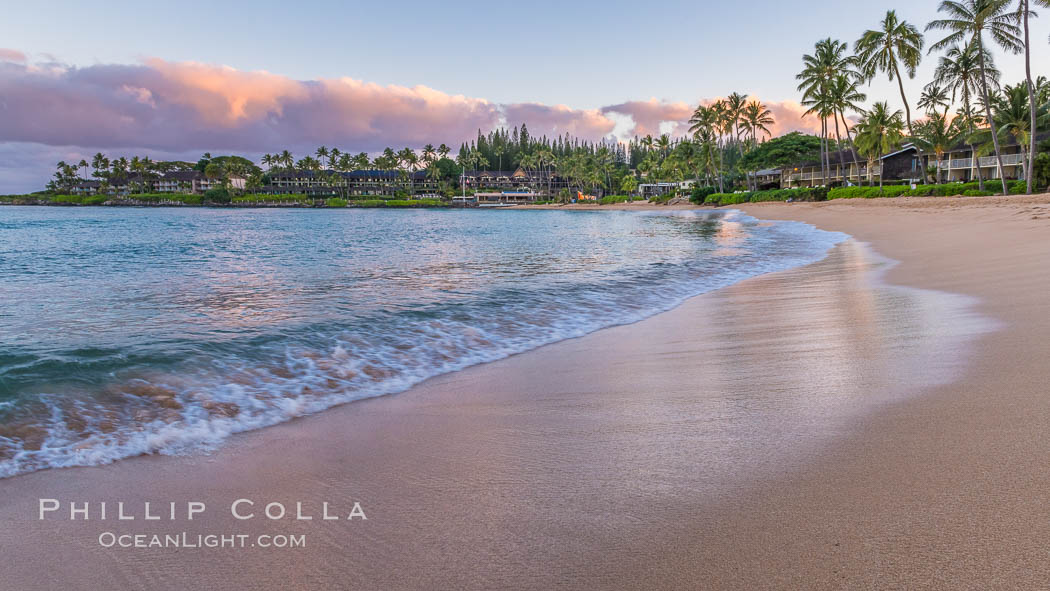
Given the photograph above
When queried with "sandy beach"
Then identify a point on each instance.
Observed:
(852, 424)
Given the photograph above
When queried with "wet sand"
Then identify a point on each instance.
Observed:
(814, 428)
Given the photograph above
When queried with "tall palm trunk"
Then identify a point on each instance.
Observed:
(838, 140)
(852, 149)
(974, 163)
(988, 113)
(721, 166)
(823, 149)
(1030, 163)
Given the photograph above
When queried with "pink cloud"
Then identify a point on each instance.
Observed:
(178, 106)
(788, 117)
(12, 55)
(558, 120)
(648, 115)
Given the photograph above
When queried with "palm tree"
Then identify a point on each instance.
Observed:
(362, 161)
(1015, 119)
(756, 118)
(845, 96)
(443, 151)
(971, 19)
(100, 163)
(933, 96)
(897, 43)
(322, 154)
(937, 135)
(287, 159)
(820, 105)
(704, 125)
(878, 133)
(1026, 14)
(429, 153)
(663, 145)
(960, 70)
(829, 71)
(735, 104)
(499, 150)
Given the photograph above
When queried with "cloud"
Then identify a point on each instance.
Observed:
(558, 120)
(788, 117)
(12, 55)
(160, 108)
(649, 115)
(177, 106)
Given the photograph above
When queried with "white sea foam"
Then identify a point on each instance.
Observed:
(219, 392)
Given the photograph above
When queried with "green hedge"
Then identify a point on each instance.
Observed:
(611, 199)
(262, 198)
(799, 194)
(19, 198)
(335, 202)
(972, 189)
(400, 203)
(187, 198)
(699, 194)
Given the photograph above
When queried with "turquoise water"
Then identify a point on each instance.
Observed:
(127, 331)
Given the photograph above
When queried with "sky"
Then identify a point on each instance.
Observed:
(172, 80)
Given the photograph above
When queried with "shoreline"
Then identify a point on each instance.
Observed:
(877, 509)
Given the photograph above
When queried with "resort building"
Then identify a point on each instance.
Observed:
(845, 166)
(192, 181)
(181, 181)
(957, 164)
(650, 190)
(513, 186)
(357, 182)
(768, 178)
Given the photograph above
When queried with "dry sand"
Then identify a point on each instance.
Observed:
(787, 432)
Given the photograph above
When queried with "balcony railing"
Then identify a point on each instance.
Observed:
(985, 162)
(835, 174)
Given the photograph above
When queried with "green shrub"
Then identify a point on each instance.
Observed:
(700, 194)
(611, 199)
(369, 203)
(977, 193)
(19, 199)
(798, 194)
(187, 198)
(217, 195)
(874, 192)
(400, 203)
(67, 199)
(262, 198)
(335, 202)
(850, 192)
(1041, 170)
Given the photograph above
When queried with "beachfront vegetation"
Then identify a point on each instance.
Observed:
(942, 190)
(799, 194)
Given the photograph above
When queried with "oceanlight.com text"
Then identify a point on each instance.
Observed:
(205, 541)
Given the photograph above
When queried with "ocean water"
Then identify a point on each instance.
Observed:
(127, 331)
